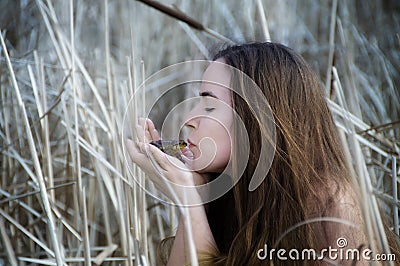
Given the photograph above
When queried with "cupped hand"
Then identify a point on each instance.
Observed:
(171, 176)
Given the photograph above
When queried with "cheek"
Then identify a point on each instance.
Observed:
(214, 150)
(217, 149)
(223, 153)
(223, 140)
(213, 156)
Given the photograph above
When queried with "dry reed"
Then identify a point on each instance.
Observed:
(69, 68)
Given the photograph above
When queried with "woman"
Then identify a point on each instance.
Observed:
(307, 179)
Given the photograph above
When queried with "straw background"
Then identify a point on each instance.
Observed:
(68, 69)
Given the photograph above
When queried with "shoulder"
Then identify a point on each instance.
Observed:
(338, 215)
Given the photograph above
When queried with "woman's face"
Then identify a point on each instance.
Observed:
(211, 121)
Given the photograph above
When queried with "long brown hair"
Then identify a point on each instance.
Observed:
(308, 168)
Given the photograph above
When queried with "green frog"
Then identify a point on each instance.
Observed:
(170, 147)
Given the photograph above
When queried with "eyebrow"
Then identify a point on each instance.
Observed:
(208, 93)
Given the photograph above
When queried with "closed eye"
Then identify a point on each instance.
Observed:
(209, 109)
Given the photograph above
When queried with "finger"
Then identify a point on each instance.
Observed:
(134, 151)
(159, 157)
(148, 149)
(152, 162)
(140, 156)
(152, 130)
(166, 162)
(141, 134)
(142, 122)
(144, 132)
(147, 127)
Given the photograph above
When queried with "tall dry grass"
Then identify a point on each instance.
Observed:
(68, 69)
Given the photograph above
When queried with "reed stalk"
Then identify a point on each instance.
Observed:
(68, 70)
(40, 179)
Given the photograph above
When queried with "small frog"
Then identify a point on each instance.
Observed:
(170, 147)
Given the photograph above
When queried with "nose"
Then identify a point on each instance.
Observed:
(191, 120)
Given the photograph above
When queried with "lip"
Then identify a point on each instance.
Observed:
(191, 144)
(187, 151)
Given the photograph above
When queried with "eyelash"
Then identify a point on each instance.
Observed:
(209, 109)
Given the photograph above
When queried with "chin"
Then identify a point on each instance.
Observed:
(206, 166)
(210, 169)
